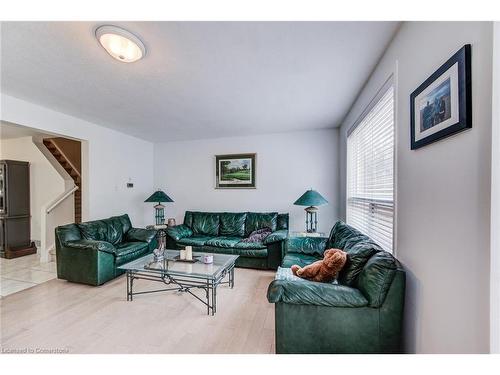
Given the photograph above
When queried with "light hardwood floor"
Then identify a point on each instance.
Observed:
(84, 319)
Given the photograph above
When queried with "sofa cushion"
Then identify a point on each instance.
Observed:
(228, 242)
(376, 277)
(179, 231)
(358, 254)
(206, 223)
(249, 245)
(301, 260)
(217, 250)
(96, 230)
(313, 293)
(314, 246)
(282, 221)
(69, 232)
(257, 220)
(188, 219)
(125, 248)
(195, 240)
(251, 253)
(115, 230)
(232, 224)
(342, 233)
(110, 230)
(129, 251)
(125, 221)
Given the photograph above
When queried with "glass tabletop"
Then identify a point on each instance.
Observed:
(178, 268)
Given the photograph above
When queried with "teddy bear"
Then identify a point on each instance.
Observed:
(325, 270)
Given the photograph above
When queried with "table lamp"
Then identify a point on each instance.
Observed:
(159, 196)
(311, 199)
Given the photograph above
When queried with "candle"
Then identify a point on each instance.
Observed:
(189, 253)
(182, 254)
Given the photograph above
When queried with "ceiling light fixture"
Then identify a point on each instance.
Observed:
(120, 44)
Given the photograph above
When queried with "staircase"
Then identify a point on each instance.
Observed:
(72, 171)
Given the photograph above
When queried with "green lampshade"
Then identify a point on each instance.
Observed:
(159, 196)
(311, 198)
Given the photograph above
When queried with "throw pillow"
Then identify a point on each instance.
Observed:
(258, 235)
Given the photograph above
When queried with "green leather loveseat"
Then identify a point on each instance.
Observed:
(90, 252)
(363, 313)
(224, 233)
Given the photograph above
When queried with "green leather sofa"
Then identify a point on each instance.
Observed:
(362, 313)
(223, 233)
(90, 252)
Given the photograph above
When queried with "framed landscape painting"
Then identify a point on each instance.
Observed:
(442, 105)
(236, 171)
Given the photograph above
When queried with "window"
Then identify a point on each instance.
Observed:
(370, 171)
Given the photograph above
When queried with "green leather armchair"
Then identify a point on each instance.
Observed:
(361, 313)
(91, 252)
(225, 233)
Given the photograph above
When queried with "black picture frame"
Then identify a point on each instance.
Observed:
(234, 184)
(464, 87)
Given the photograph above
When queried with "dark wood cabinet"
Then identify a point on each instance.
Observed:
(15, 216)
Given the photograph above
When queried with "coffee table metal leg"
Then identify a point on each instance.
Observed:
(208, 298)
(214, 299)
(128, 285)
(231, 278)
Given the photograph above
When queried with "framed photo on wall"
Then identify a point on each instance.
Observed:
(442, 105)
(235, 171)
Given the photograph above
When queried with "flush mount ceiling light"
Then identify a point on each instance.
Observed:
(121, 44)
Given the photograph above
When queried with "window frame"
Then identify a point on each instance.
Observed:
(390, 82)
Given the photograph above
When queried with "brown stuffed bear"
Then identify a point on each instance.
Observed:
(324, 270)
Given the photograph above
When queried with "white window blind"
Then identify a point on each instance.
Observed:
(370, 171)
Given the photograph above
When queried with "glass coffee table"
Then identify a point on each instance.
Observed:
(183, 276)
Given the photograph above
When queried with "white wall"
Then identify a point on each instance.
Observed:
(443, 192)
(495, 199)
(45, 182)
(109, 159)
(287, 165)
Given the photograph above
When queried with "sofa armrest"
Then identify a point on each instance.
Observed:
(179, 232)
(141, 235)
(307, 245)
(276, 236)
(91, 245)
(306, 292)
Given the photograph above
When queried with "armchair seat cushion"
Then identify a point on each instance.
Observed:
(228, 242)
(196, 240)
(301, 260)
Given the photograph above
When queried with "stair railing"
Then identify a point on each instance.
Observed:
(47, 242)
(66, 159)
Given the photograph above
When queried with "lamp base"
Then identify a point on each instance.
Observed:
(311, 219)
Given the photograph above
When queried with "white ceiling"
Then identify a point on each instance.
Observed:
(198, 79)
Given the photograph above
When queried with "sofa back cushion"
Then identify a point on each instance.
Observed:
(256, 220)
(111, 230)
(205, 223)
(69, 232)
(358, 254)
(282, 221)
(125, 221)
(188, 219)
(376, 277)
(342, 233)
(232, 224)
